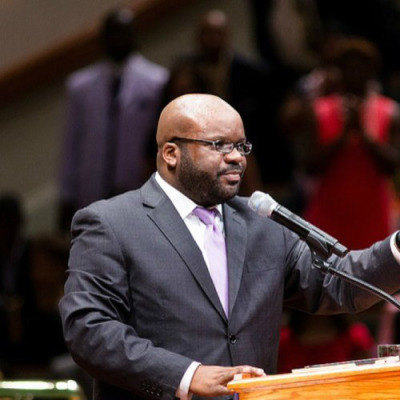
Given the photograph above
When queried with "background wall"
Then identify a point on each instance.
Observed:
(31, 128)
(27, 27)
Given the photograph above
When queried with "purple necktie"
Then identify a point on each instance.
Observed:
(214, 246)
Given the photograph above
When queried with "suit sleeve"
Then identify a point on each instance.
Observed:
(309, 290)
(96, 311)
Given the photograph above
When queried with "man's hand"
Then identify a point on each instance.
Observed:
(211, 381)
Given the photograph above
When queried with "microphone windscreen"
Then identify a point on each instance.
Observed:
(263, 204)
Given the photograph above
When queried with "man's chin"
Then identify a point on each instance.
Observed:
(231, 190)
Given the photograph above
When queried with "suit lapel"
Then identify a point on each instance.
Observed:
(163, 213)
(236, 240)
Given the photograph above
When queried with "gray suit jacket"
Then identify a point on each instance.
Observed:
(140, 306)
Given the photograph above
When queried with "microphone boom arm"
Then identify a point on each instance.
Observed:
(326, 267)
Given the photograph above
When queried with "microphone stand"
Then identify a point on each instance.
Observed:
(326, 267)
(321, 251)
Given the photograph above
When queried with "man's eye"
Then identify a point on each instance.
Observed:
(226, 147)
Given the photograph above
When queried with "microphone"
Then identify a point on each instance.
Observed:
(319, 241)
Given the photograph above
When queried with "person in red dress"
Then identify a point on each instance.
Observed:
(354, 150)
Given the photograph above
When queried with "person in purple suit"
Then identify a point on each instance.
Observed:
(112, 107)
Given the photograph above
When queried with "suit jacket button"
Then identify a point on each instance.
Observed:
(232, 339)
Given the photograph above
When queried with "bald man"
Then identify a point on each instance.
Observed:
(141, 312)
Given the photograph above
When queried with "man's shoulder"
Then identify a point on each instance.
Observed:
(87, 74)
(112, 212)
(130, 202)
(148, 70)
(118, 203)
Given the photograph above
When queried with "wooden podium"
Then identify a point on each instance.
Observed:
(373, 379)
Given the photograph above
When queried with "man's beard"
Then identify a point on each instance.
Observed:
(202, 187)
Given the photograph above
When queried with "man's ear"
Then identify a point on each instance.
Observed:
(170, 154)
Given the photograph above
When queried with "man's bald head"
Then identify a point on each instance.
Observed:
(214, 19)
(189, 114)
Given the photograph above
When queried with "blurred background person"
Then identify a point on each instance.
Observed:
(112, 109)
(353, 151)
(32, 276)
(295, 115)
(43, 339)
(16, 289)
(292, 35)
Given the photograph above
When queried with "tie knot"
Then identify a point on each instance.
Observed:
(205, 215)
